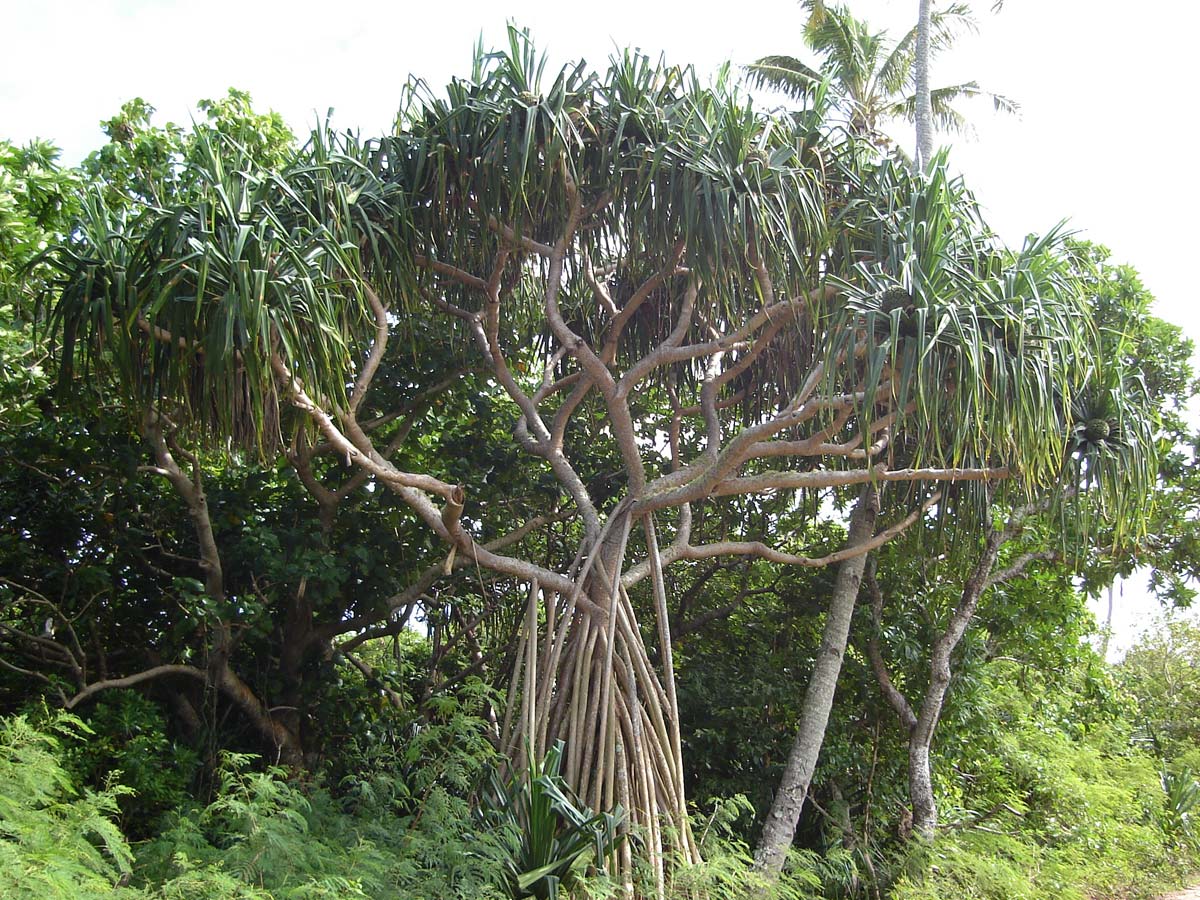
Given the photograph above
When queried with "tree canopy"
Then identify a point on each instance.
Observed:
(543, 372)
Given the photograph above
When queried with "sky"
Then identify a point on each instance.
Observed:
(1104, 138)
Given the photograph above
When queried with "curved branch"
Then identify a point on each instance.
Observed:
(362, 384)
(134, 680)
(459, 275)
(674, 553)
(887, 687)
(1020, 564)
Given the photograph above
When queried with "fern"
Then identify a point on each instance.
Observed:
(55, 840)
(727, 872)
(400, 829)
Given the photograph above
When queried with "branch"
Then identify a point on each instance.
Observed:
(519, 240)
(133, 680)
(1020, 564)
(426, 580)
(192, 493)
(29, 673)
(370, 460)
(459, 275)
(699, 480)
(760, 550)
(773, 481)
(412, 488)
(887, 687)
(369, 674)
(164, 336)
(620, 419)
(363, 383)
(609, 350)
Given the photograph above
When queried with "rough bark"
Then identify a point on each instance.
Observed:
(780, 826)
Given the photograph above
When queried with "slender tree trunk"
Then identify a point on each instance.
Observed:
(1108, 619)
(920, 785)
(780, 827)
(922, 724)
(924, 103)
(920, 740)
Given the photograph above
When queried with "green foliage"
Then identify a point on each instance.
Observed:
(1182, 807)
(38, 198)
(144, 163)
(740, 675)
(551, 832)
(1162, 670)
(415, 802)
(261, 259)
(727, 871)
(262, 831)
(1057, 803)
(873, 80)
(55, 841)
(129, 743)
(37, 201)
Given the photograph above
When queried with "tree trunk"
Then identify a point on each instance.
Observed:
(1108, 619)
(780, 827)
(921, 725)
(920, 779)
(924, 114)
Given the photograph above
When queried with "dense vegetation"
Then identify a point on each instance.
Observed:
(476, 510)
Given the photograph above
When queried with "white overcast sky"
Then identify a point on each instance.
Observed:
(1104, 139)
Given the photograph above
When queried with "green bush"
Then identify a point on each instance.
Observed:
(55, 840)
(401, 828)
(1059, 803)
(128, 740)
(551, 835)
(727, 871)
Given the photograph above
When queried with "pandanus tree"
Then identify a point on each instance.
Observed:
(1019, 324)
(1092, 523)
(713, 302)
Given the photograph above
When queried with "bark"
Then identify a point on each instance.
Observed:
(1108, 620)
(924, 113)
(920, 779)
(225, 680)
(922, 724)
(920, 787)
(780, 826)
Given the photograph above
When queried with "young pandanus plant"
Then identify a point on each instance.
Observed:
(554, 835)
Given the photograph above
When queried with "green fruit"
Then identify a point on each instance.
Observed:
(895, 298)
(1097, 429)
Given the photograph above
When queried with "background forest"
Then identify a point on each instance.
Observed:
(604, 484)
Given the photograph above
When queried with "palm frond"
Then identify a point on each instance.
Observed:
(785, 74)
(945, 117)
(946, 26)
(989, 340)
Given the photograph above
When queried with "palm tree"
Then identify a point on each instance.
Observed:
(924, 98)
(875, 82)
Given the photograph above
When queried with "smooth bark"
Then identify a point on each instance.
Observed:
(780, 826)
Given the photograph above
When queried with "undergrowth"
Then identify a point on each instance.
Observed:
(1056, 817)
